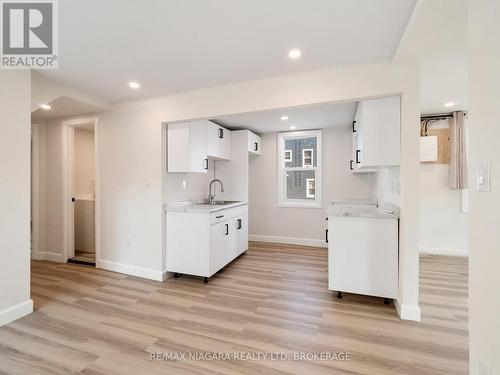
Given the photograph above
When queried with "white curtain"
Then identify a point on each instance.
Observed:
(458, 152)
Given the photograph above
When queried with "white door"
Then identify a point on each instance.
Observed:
(242, 234)
(198, 146)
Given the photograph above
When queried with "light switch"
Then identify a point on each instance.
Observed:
(483, 177)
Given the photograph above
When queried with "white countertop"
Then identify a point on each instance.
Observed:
(193, 207)
(363, 208)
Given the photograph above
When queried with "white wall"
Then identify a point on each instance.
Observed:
(15, 127)
(484, 257)
(307, 226)
(132, 160)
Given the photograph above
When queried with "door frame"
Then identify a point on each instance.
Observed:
(69, 176)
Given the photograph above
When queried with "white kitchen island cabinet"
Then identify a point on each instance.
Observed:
(201, 240)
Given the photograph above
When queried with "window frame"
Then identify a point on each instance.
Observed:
(317, 202)
(291, 156)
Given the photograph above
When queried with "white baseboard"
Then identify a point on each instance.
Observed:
(448, 252)
(53, 257)
(15, 312)
(408, 312)
(145, 273)
(288, 240)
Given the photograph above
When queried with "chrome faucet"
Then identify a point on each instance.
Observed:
(210, 195)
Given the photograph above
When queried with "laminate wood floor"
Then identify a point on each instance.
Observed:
(273, 299)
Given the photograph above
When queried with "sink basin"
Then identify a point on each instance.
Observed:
(216, 203)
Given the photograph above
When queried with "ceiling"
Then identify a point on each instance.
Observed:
(320, 116)
(64, 106)
(171, 46)
(437, 37)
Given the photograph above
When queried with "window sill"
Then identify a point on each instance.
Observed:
(292, 204)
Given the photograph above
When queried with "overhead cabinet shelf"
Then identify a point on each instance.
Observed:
(376, 135)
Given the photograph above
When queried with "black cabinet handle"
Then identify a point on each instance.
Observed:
(73, 199)
(353, 127)
(220, 216)
(358, 159)
(221, 133)
(256, 146)
(350, 165)
(227, 229)
(326, 233)
(206, 163)
(239, 224)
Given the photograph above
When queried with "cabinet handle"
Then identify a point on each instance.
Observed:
(227, 229)
(353, 127)
(256, 146)
(221, 133)
(206, 163)
(326, 236)
(220, 216)
(350, 165)
(358, 159)
(239, 224)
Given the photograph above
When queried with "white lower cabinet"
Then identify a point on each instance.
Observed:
(201, 243)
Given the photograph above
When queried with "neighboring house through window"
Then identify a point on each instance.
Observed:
(299, 172)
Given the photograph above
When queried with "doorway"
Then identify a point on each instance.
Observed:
(81, 191)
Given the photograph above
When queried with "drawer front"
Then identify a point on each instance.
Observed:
(222, 215)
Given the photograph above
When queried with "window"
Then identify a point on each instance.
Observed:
(307, 157)
(299, 169)
(310, 188)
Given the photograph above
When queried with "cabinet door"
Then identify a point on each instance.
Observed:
(218, 246)
(379, 138)
(198, 147)
(242, 233)
(254, 143)
(218, 141)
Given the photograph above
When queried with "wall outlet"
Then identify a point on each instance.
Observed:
(184, 184)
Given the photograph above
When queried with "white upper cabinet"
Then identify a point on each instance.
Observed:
(218, 141)
(187, 147)
(376, 134)
(254, 143)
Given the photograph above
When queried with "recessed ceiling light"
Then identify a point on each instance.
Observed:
(294, 54)
(46, 107)
(284, 118)
(134, 85)
(449, 104)
(293, 127)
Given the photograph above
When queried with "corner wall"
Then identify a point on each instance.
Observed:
(15, 125)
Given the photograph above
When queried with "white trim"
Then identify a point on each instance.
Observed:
(51, 256)
(288, 240)
(303, 158)
(15, 312)
(145, 273)
(68, 166)
(447, 252)
(300, 203)
(290, 159)
(408, 312)
(35, 191)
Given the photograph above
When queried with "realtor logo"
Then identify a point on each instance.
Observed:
(29, 34)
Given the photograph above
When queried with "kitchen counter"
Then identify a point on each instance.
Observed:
(363, 208)
(193, 207)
